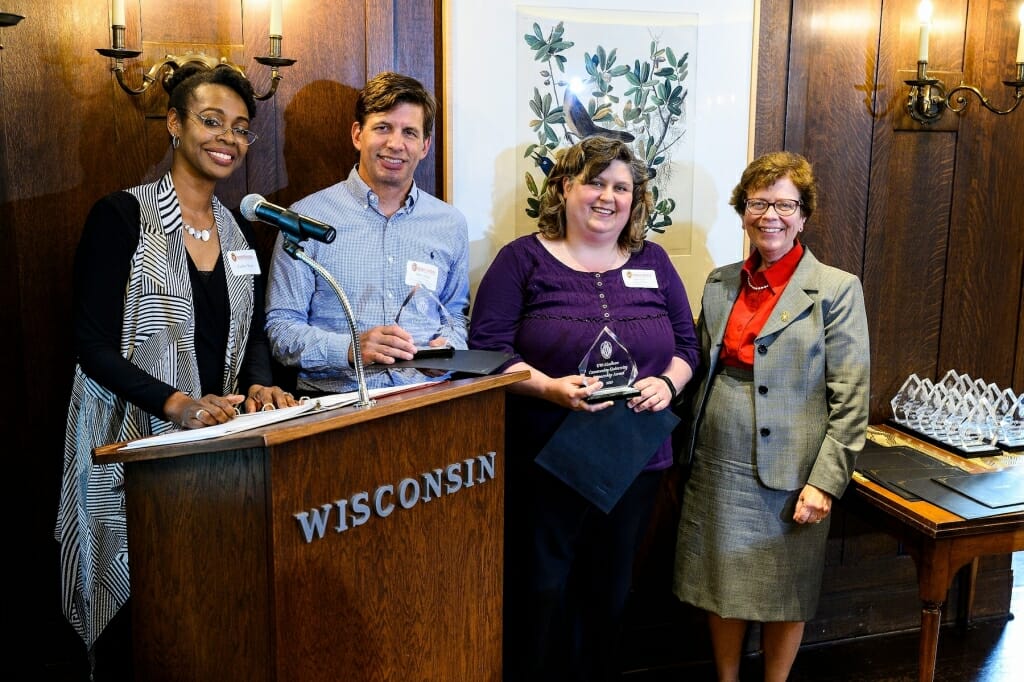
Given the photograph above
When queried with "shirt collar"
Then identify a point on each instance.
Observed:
(365, 193)
(781, 270)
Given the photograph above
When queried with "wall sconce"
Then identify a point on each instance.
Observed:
(8, 19)
(169, 63)
(929, 99)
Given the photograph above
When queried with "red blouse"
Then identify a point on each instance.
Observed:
(759, 292)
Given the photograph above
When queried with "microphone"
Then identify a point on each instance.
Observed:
(299, 227)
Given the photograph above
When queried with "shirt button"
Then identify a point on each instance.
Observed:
(390, 295)
(600, 284)
(607, 314)
(766, 432)
(601, 295)
(762, 349)
(604, 306)
(763, 390)
(597, 274)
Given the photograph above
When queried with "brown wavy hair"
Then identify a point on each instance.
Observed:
(388, 89)
(768, 169)
(583, 162)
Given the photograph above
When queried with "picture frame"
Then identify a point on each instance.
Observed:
(487, 105)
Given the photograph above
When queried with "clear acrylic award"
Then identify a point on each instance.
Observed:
(610, 362)
(424, 316)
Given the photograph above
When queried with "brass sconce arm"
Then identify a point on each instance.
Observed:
(961, 101)
(928, 98)
(275, 61)
(170, 62)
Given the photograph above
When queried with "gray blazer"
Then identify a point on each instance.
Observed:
(811, 375)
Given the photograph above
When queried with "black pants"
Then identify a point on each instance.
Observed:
(568, 573)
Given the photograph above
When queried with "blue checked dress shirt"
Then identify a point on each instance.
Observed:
(369, 259)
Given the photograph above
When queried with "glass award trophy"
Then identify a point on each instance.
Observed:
(424, 316)
(610, 362)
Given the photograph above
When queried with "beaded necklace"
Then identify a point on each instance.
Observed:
(753, 287)
(202, 235)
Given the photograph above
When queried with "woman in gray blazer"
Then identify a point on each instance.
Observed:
(778, 420)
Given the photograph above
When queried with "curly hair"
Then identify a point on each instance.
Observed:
(388, 89)
(181, 84)
(768, 169)
(583, 162)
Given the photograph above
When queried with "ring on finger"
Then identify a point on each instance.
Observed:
(199, 414)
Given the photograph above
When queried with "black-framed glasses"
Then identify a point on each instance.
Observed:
(216, 126)
(784, 207)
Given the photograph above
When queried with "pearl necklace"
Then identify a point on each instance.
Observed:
(202, 235)
(750, 283)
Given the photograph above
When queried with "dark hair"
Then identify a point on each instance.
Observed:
(768, 169)
(583, 162)
(186, 78)
(388, 89)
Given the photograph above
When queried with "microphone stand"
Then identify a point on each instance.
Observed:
(292, 248)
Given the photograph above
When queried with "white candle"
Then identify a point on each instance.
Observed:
(924, 13)
(275, 17)
(117, 13)
(1020, 37)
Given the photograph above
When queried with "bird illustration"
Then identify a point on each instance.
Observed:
(579, 123)
(544, 162)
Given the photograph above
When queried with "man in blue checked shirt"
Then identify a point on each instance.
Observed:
(392, 239)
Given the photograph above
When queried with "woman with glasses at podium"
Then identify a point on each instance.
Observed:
(168, 333)
(588, 279)
(778, 419)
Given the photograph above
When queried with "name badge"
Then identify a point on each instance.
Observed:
(243, 262)
(423, 274)
(640, 279)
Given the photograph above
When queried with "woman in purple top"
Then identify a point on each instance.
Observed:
(545, 299)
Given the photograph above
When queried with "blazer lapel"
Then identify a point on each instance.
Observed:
(795, 298)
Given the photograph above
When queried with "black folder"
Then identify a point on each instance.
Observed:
(599, 454)
(466, 361)
(992, 488)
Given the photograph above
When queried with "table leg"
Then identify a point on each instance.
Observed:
(931, 620)
(933, 580)
(967, 578)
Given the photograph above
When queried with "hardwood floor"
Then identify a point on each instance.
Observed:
(988, 651)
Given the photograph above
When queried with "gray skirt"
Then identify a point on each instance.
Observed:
(739, 553)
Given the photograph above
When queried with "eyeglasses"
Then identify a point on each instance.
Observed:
(784, 207)
(215, 126)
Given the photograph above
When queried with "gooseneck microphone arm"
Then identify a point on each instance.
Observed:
(292, 248)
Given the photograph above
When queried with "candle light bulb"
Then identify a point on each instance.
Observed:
(1020, 36)
(117, 13)
(275, 17)
(924, 14)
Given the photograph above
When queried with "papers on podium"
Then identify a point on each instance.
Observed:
(254, 420)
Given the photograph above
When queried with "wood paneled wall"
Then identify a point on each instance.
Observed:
(931, 221)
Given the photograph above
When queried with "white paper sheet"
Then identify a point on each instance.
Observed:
(245, 422)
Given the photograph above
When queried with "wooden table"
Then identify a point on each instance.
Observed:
(940, 542)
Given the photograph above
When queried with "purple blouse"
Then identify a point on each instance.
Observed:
(547, 314)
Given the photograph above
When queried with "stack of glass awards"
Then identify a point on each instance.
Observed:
(961, 413)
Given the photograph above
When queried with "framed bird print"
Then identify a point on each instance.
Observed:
(672, 78)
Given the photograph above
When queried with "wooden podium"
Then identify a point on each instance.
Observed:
(352, 544)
